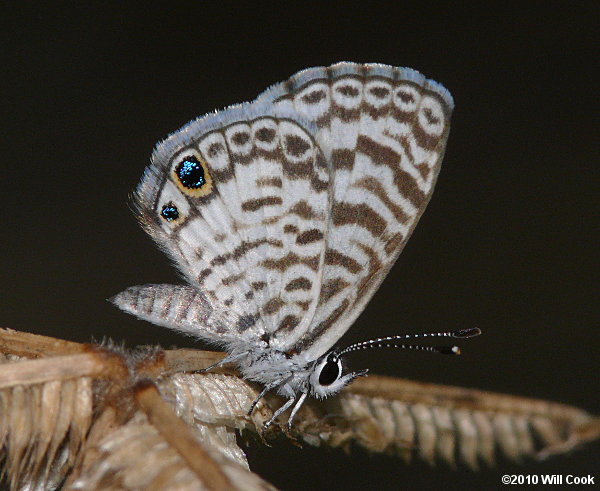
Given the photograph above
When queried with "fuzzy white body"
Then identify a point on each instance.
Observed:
(290, 374)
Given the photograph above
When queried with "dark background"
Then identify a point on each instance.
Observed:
(509, 241)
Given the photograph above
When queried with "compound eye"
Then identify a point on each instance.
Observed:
(330, 372)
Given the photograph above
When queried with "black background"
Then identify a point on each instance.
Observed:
(509, 241)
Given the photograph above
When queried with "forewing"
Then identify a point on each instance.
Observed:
(383, 131)
(239, 200)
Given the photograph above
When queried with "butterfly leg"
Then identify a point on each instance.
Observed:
(266, 389)
(276, 414)
(296, 408)
(223, 361)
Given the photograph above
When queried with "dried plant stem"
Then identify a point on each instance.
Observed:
(177, 433)
(409, 391)
(190, 360)
(90, 416)
(34, 345)
(29, 372)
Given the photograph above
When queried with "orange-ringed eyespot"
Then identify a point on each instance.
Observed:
(169, 212)
(190, 172)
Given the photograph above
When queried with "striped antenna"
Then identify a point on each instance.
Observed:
(389, 342)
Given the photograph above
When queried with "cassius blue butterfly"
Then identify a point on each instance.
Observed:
(285, 214)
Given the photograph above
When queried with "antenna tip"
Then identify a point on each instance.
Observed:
(471, 332)
(448, 350)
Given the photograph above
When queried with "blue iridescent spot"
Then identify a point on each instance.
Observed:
(170, 212)
(190, 172)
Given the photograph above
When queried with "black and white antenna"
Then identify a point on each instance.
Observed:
(391, 342)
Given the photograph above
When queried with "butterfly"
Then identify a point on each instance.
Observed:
(285, 214)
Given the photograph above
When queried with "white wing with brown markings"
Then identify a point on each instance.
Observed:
(288, 212)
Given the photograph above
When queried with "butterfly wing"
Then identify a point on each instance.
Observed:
(287, 213)
(185, 308)
(240, 201)
(383, 130)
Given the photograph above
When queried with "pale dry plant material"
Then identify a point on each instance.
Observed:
(97, 417)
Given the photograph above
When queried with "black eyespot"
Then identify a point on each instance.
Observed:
(169, 212)
(190, 173)
(330, 372)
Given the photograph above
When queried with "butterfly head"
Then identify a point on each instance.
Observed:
(328, 378)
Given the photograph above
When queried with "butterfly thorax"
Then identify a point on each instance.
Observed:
(290, 374)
